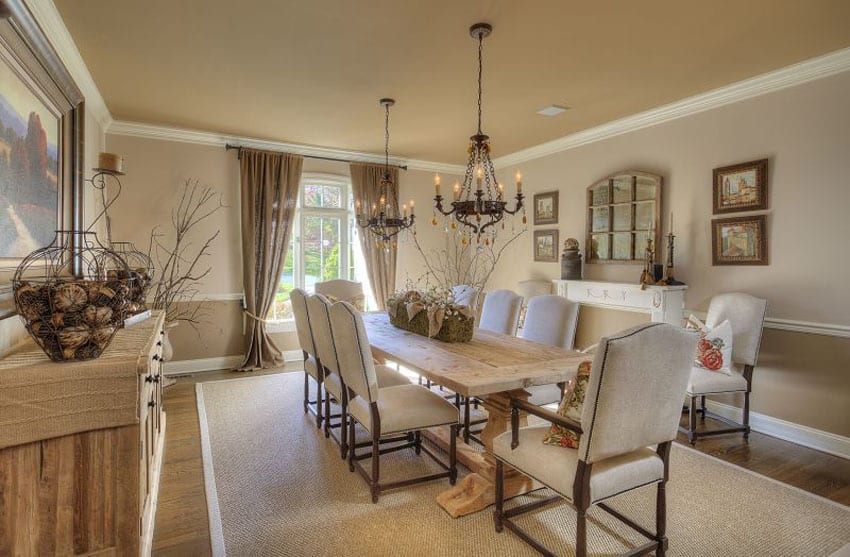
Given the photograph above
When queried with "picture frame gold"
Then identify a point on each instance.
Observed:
(546, 208)
(739, 241)
(740, 187)
(546, 246)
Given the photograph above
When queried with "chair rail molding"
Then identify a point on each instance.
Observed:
(794, 325)
(789, 76)
(200, 137)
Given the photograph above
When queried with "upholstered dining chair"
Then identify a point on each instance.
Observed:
(386, 411)
(312, 369)
(465, 295)
(552, 320)
(500, 312)
(746, 315)
(318, 309)
(633, 401)
(341, 290)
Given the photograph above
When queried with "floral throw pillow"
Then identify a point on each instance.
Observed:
(714, 349)
(570, 407)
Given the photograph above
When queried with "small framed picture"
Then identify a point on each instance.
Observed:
(546, 246)
(546, 208)
(740, 187)
(739, 241)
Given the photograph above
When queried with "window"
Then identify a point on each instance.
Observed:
(324, 244)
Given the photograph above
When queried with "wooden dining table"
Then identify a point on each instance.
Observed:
(492, 367)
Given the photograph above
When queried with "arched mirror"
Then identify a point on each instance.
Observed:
(623, 212)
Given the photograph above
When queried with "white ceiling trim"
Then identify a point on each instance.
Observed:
(796, 74)
(151, 131)
(47, 16)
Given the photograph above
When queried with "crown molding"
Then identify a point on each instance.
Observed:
(48, 18)
(198, 137)
(789, 76)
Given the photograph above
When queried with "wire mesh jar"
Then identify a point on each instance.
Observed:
(70, 296)
(140, 275)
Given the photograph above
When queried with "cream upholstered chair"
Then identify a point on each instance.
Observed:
(312, 369)
(385, 411)
(500, 312)
(341, 290)
(465, 295)
(550, 319)
(633, 401)
(746, 315)
(318, 309)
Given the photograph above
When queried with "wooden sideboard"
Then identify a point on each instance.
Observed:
(81, 448)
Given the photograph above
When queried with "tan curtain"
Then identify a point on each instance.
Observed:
(269, 193)
(380, 263)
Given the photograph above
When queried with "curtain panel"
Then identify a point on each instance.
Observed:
(270, 183)
(380, 263)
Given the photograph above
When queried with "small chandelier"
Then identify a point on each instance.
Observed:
(384, 220)
(478, 209)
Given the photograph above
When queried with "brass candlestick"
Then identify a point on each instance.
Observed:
(669, 278)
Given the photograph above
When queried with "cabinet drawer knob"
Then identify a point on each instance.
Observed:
(148, 378)
(152, 404)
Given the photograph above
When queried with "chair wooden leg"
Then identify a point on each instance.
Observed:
(417, 439)
(343, 427)
(747, 415)
(319, 404)
(702, 407)
(328, 413)
(351, 445)
(452, 454)
(500, 495)
(581, 533)
(466, 420)
(661, 519)
(692, 421)
(306, 390)
(376, 467)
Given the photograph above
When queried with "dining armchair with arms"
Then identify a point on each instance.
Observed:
(746, 316)
(312, 368)
(318, 309)
(552, 320)
(633, 401)
(386, 411)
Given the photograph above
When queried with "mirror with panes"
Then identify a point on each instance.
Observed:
(623, 211)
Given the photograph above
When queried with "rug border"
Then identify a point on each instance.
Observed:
(213, 511)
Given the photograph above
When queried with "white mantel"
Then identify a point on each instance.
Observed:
(664, 303)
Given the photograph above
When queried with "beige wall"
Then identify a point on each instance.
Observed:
(805, 133)
(155, 170)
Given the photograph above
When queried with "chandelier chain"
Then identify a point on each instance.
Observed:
(387, 139)
(480, 72)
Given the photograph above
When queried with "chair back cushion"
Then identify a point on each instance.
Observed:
(551, 320)
(353, 353)
(746, 314)
(298, 299)
(637, 385)
(464, 295)
(319, 312)
(501, 312)
(340, 290)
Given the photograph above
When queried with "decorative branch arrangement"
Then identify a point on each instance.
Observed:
(462, 262)
(179, 260)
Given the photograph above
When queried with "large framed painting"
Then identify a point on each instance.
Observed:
(546, 208)
(41, 115)
(546, 246)
(739, 241)
(740, 187)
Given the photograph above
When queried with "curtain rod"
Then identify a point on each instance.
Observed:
(334, 159)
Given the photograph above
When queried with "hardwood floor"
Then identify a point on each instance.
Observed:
(182, 523)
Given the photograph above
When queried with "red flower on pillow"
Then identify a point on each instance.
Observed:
(712, 359)
(704, 345)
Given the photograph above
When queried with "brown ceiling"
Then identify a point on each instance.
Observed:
(312, 72)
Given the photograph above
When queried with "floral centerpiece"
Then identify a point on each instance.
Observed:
(432, 314)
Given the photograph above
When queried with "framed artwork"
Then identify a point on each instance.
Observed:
(546, 208)
(623, 211)
(546, 246)
(740, 187)
(41, 115)
(739, 241)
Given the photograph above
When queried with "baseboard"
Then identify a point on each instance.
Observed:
(817, 439)
(182, 367)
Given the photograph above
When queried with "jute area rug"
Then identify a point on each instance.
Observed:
(276, 486)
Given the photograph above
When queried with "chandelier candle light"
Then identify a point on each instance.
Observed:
(384, 220)
(479, 201)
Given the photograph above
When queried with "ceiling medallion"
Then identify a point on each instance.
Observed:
(384, 220)
(478, 203)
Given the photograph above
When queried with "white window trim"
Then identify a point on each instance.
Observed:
(321, 179)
